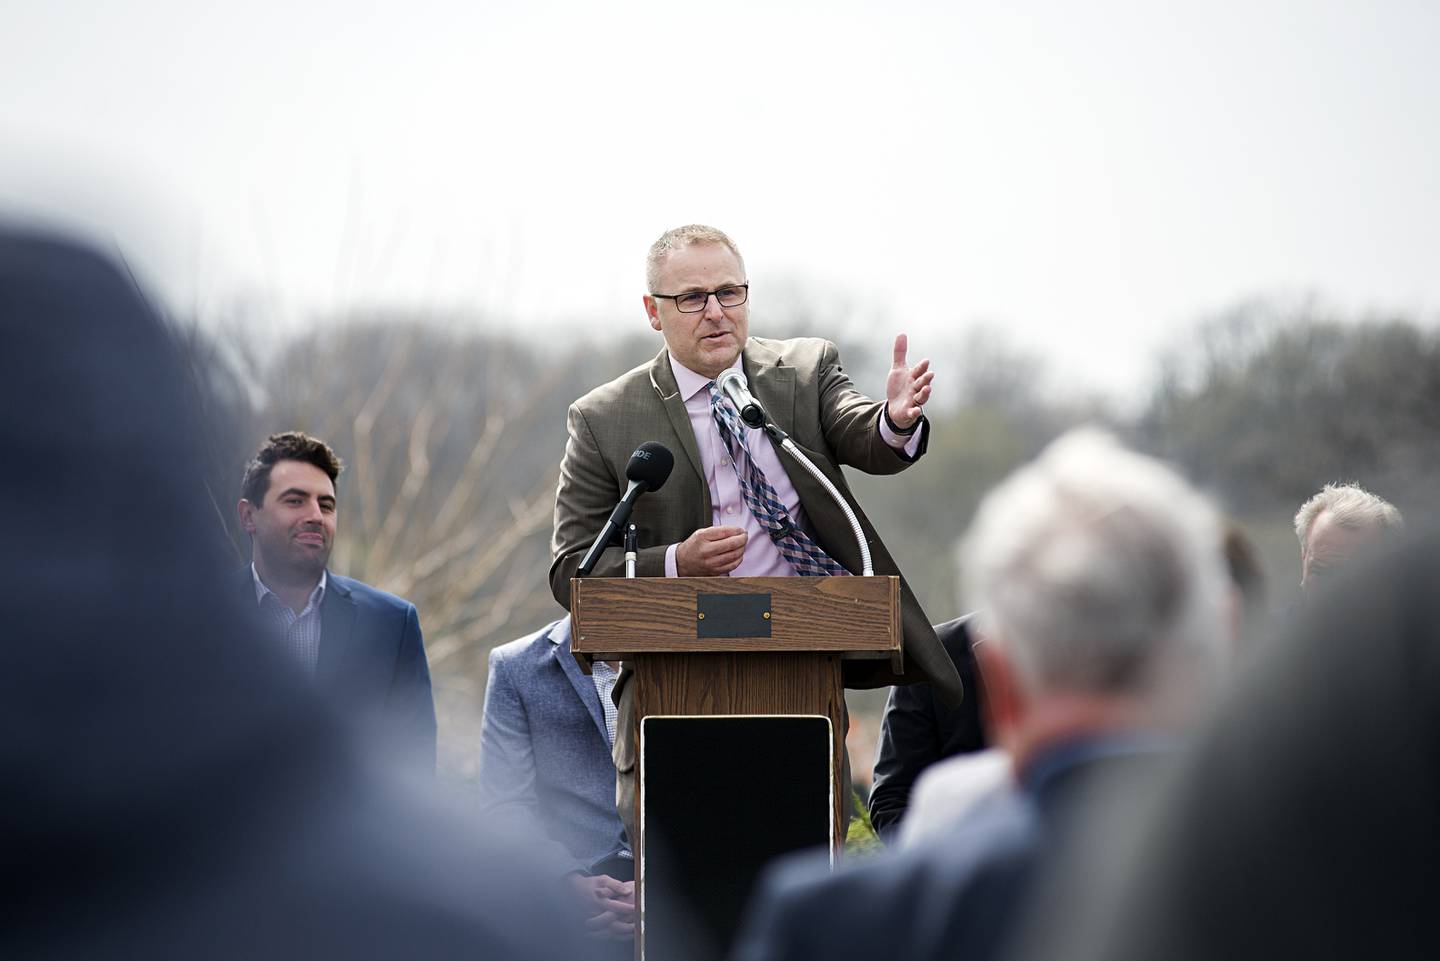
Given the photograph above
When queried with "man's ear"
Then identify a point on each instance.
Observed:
(652, 310)
(1005, 700)
(246, 512)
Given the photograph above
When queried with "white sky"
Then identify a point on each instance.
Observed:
(1091, 177)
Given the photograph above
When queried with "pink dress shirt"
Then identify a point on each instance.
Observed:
(762, 558)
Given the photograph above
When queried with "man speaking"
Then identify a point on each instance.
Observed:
(736, 503)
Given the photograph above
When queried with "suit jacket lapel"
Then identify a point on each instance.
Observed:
(337, 623)
(772, 384)
(584, 686)
(663, 380)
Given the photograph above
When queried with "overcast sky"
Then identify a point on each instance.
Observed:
(1090, 177)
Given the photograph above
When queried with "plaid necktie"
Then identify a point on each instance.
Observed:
(797, 547)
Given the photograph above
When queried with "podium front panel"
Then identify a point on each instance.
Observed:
(720, 797)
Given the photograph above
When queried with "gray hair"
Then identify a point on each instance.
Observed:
(1099, 570)
(1351, 506)
(677, 237)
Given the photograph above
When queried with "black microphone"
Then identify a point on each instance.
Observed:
(648, 470)
(732, 385)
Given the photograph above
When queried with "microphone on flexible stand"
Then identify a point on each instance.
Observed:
(648, 469)
(732, 384)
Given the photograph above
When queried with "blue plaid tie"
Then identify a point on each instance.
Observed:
(797, 547)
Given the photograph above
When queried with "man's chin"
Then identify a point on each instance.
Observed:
(309, 563)
(721, 352)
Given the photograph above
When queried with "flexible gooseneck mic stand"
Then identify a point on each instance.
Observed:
(783, 439)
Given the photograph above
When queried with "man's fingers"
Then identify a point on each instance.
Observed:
(726, 563)
(608, 926)
(619, 910)
(921, 367)
(735, 542)
(902, 344)
(719, 533)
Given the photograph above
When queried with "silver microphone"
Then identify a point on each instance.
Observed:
(732, 385)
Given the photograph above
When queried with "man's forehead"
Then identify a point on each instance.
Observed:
(700, 266)
(299, 475)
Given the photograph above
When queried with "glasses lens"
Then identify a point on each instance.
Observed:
(730, 296)
(691, 303)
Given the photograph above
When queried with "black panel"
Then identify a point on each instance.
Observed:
(721, 797)
(732, 615)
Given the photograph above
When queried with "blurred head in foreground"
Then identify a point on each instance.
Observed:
(1304, 825)
(1103, 598)
(171, 790)
(1336, 525)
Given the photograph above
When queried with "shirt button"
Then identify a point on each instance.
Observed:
(729, 510)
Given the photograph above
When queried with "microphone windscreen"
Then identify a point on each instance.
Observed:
(650, 465)
(726, 376)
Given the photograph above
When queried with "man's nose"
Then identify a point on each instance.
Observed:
(713, 310)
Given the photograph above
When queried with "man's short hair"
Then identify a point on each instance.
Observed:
(677, 238)
(1351, 506)
(290, 445)
(1098, 570)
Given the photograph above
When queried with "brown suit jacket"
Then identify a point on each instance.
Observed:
(806, 392)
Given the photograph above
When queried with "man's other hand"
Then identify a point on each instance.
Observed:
(710, 552)
(609, 904)
(907, 388)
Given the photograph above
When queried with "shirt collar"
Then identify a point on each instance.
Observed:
(316, 596)
(691, 383)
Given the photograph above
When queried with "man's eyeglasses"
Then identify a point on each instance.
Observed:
(695, 301)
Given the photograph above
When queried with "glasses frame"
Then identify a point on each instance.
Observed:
(708, 294)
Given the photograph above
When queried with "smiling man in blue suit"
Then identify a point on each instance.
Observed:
(362, 646)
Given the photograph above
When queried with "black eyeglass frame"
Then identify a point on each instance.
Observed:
(707, 294)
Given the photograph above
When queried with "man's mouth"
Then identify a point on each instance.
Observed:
(310, 537)
(716, 336)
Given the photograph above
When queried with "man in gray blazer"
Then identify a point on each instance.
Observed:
(701, 522)
(545, 767)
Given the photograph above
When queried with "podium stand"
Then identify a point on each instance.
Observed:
(740, 650)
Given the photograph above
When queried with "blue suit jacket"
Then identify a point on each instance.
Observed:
(544, 756)
(372, 665)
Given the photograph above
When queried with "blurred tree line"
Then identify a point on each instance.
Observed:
(452, 438)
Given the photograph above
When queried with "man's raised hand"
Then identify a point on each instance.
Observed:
(907, 388)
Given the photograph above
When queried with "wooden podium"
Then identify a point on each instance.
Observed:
(735, 647)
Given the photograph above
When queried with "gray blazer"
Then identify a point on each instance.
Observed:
(544, 757)
(805, 390)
